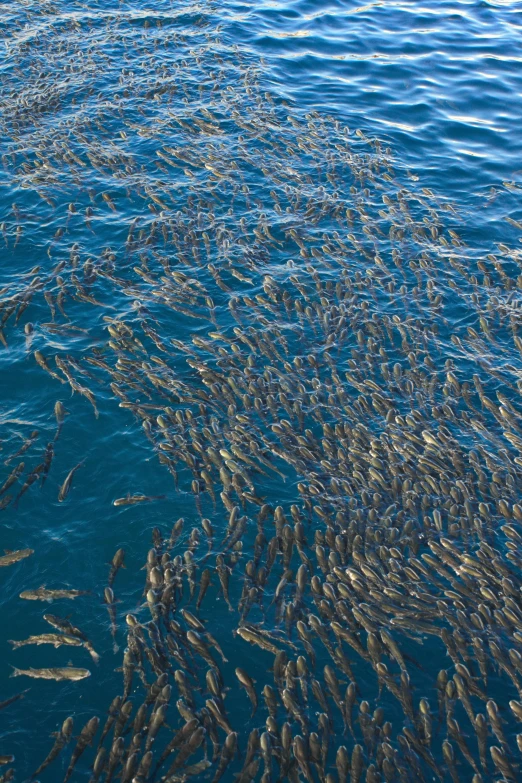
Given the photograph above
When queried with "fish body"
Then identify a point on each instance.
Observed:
(132, 500)
(43, 594)
(13, 476)
(62, 738)
(84, 740)
(116, 564)
(59, 674)
(248, 684)
(110, 601)
(12, 699)
(56, 639)
(14, 557)
(66, 486)
(252, 636)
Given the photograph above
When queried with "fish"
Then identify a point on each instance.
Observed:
(48, 458)
(66, 627)
(45, 594)
(12, 699)
(248, 684)
(227, 754)
(40, 359)
(110, 601)
(116, 564)
(15, 557)
(13, 476)
(132, 500)
(62, 737)
(32, 477)
(85, 739)
(59, 674)
(66, 486)
(60, 413)
(254, 637)
(55, 639)
(205, 582)
(25, 447)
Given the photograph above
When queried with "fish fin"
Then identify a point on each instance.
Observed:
(8, 551)
(16, 672)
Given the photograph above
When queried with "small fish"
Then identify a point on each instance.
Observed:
(60, 413)
(252, 636)
(84, 740)
(33, 475)
(13, 476)
(62, 738)
(56, 639)
(116, 564)
(14, 557)
(12, 699)
(110, 600)
(108, 201)
(66, 486)
(248, 684)
(26, 445)
(204, 585)
(48, 458)
(5, 501)
(43, 594)
(40, 359)
(131, 500)
(59, 674)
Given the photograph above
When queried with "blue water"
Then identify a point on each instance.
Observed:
(431, 92)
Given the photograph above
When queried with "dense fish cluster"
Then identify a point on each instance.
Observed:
(318, 360)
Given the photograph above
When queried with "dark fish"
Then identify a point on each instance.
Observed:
(62, 738)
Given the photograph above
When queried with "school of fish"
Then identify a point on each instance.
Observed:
(270, 314)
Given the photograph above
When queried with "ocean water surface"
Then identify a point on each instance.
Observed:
(219, 221)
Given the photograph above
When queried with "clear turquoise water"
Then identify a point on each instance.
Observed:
(438, 83)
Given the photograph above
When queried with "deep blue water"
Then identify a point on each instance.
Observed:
(88, 94)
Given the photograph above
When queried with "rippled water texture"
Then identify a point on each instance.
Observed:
(268, 259)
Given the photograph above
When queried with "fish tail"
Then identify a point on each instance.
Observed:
(16, 672)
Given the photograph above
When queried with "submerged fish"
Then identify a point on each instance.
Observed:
(66, 486)
(56, 639)
(59, 674)
(45, 594)
(14, 557)
(131, 500)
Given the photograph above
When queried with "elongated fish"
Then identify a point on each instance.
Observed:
(62, 738)
(56, 639)
(43, 594)
(66, 486)
(14, 557)
(59, 674)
